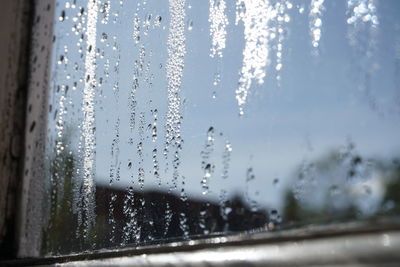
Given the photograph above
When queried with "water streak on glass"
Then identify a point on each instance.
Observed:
(278, 32)
(206, 164)
(256, 17)
(218, 23)
(316, 10)
(88, 124)
(174, 72)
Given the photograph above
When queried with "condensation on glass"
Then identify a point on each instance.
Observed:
(183, 119)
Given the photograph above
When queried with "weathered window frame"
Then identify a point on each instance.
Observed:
(29, 227)
(15, 30)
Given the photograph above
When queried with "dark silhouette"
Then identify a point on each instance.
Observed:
(128, 217)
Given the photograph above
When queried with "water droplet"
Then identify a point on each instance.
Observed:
(158, 21)
(274, 217)
(156, 168)
(167, 218)
(206, 165)
(139, 149)
(190, 25)
(227, 210)
(217, 78)
(208, 170)
(226, 158)
(154, 133)
(62, 16)
(104, 37)
(250, 175)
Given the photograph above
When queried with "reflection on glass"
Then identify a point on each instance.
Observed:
(184, 119)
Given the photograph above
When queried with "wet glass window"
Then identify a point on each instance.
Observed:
(185, 119)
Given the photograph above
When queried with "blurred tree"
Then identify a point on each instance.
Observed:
(328, 190)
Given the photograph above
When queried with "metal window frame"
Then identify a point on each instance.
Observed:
(374, 243)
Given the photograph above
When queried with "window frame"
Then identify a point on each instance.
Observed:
(346, 244)
(15, 30)
(29, 223)
(291, 242)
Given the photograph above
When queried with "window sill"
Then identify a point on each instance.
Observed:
(373, 243)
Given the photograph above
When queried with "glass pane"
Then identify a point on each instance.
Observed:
(183, 119)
